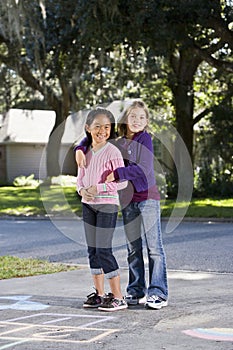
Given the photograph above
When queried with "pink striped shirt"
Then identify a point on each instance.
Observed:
(99, 165)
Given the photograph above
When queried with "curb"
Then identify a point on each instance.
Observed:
(165, 218)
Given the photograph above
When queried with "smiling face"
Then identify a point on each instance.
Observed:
(136, 121)
(99, 129)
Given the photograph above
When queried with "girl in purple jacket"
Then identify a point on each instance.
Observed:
(140, 203)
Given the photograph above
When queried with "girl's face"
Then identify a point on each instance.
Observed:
(136, 121)
(99, 129)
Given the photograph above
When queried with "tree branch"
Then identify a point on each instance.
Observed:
(214, 62)
(221, 29)
(208, 110)
(201, 115)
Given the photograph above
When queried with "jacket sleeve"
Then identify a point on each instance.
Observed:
(83, 145)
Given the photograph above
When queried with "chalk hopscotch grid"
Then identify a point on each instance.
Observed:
(45, 331)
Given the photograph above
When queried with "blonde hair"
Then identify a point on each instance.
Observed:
(122, 123)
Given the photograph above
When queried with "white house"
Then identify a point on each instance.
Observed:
(23, 138)
(24, 135)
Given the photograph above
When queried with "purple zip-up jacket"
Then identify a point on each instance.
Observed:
(139, 165)
(139, 162)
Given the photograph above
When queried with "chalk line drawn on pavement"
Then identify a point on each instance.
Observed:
(217, 334)
(54, 327)
(21, 302)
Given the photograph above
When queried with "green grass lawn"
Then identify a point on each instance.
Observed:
(12, 267)
(202, 208)
(64, 201)
(40, 201)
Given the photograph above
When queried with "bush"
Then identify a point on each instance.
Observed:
(212, 182)
(29, 181)
(61, 180)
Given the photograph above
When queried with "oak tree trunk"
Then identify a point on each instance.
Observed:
(54, 142)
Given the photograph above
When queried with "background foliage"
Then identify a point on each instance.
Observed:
(175, 54)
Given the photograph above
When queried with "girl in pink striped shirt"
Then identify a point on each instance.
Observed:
(100, 207)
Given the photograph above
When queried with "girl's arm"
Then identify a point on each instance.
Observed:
(80, 158)
(82, 191)
(83, 145)
(110, 186)
(107, 187)
(145, 163)
(80, 151)
(121, 184)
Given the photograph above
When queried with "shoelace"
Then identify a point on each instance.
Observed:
(155, 298)
(108, 298)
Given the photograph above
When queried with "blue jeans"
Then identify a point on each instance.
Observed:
(99, 224)
(137, 216)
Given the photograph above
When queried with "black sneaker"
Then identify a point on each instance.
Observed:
(112, 304)
(93, 300)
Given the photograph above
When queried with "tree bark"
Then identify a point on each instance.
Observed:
(184, 65)
(61, 109)
(53, 146)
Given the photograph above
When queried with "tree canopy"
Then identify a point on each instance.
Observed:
(76, 53)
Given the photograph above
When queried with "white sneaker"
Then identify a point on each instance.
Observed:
(155, 302)
(132, 300)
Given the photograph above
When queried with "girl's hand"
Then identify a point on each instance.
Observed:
(86, 195)
(80, 158)
(92, 190)
(110, 177)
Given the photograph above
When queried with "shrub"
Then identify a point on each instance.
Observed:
(22, 181)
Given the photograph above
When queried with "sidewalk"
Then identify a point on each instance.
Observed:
(45, 312)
